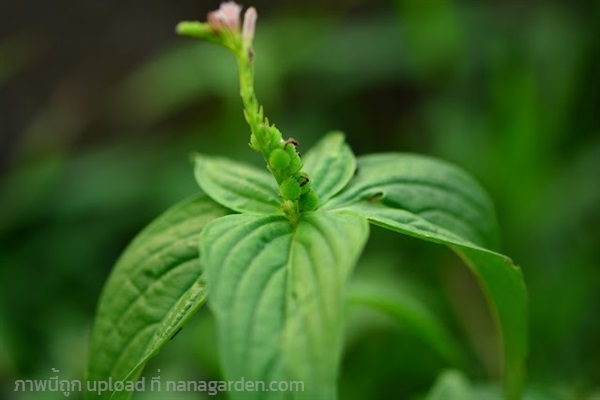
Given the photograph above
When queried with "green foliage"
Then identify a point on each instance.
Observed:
(437, 202)
(278, 285)
(95, 142)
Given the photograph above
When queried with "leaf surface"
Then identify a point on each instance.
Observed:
(437, 198)
(435, 201)
(278, 294)
(154, 288)
(330, 165)
(238, 186)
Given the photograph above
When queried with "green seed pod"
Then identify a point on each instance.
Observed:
(279, 159)
(309, 201)
(290, 189)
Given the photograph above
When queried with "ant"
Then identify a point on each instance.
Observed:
(294, 143)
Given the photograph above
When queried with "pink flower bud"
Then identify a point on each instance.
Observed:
(248, 27)
(227, 16)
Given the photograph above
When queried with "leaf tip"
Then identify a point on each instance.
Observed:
(336, 136)
(196, 157)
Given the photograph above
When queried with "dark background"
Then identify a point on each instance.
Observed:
(101, 105)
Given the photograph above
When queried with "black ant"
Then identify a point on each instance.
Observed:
(304, 180)
(293, 142)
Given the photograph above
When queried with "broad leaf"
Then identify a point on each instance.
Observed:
(278, 293)
(435, 201)
(435, 196)
(155, 287)
(240, 187)
(330, 165)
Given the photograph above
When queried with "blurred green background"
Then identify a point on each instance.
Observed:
(101, 105)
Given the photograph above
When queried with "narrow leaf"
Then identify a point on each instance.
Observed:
(278, 294)
(438, 202)
(155, 287)
(330, 165)
(410, 312)
(237, 186)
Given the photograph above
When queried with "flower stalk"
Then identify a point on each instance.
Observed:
(282, 156)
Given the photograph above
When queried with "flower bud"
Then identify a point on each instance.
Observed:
(295, 161)
(227, 16)
(279, 159)
(248, 27)
(309, 201)
(290, 189)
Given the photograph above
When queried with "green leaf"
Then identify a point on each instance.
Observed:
(438, 198)
(438, 202)
(330, 165)
(410, 312)
(155, 287)
(278, 294)
(237, 186)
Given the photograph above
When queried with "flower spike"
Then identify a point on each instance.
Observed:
(282, 156)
